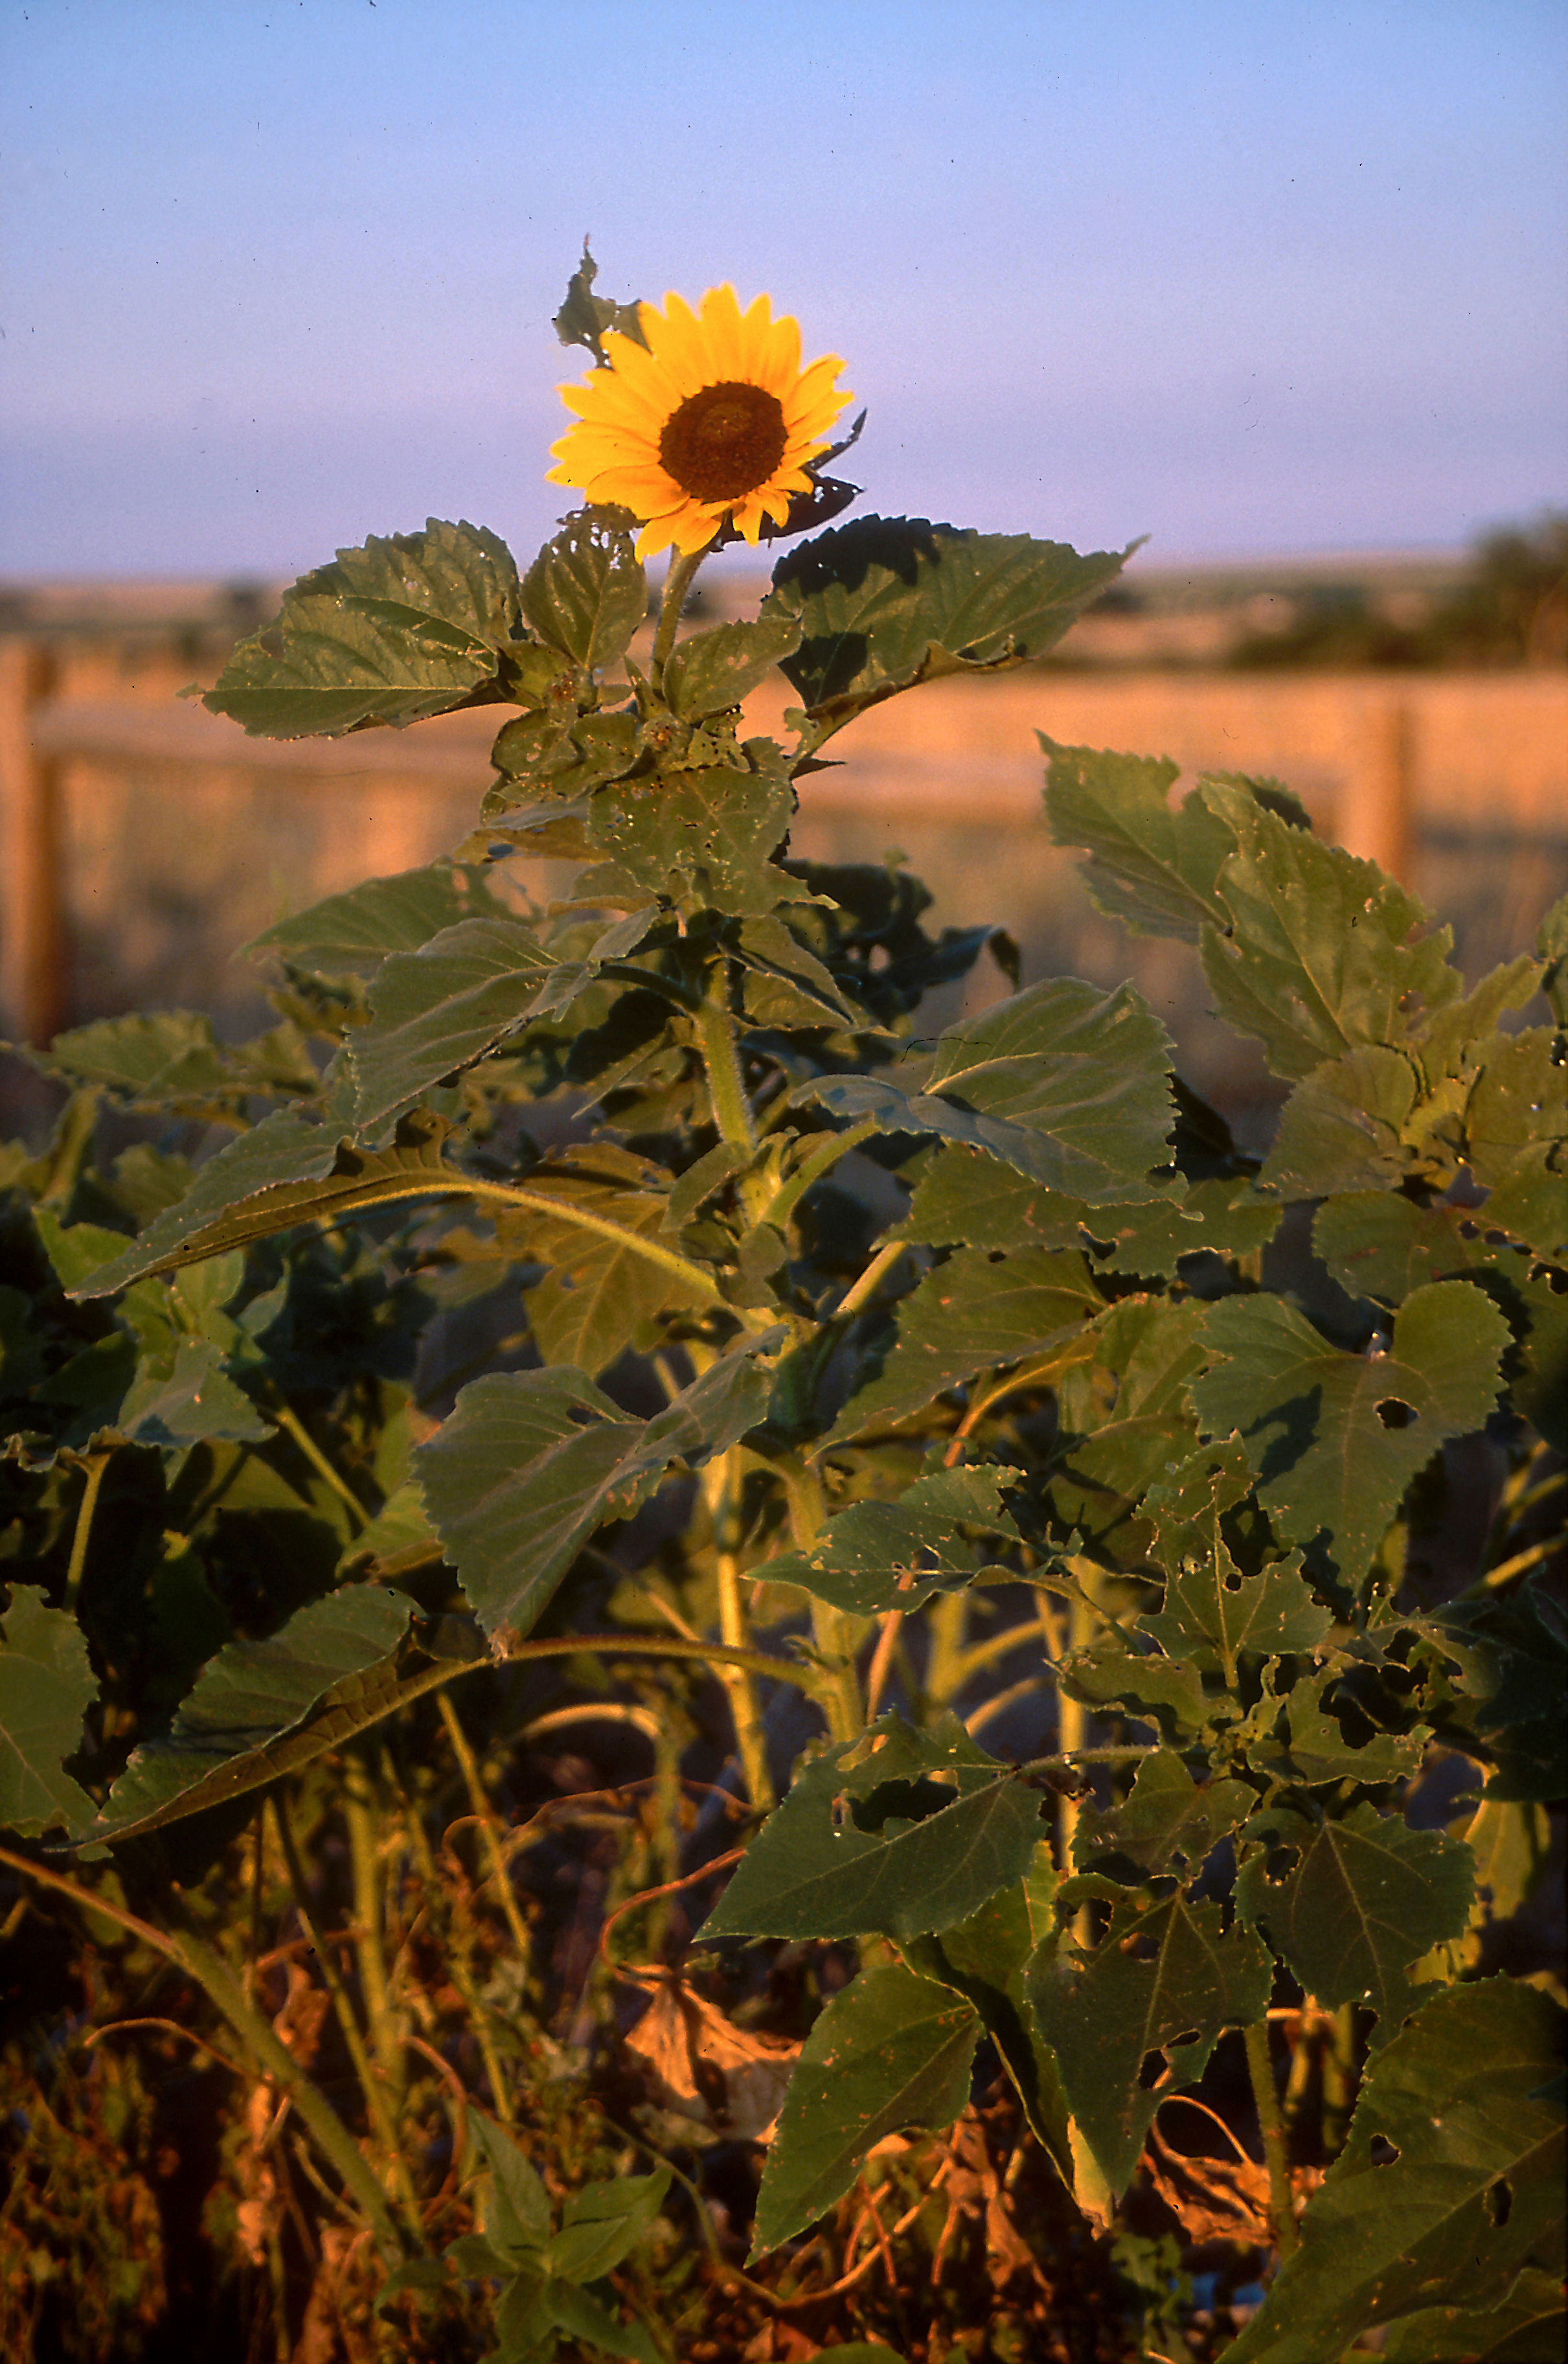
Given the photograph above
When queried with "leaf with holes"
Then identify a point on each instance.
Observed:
(1335, 1438)
(586, 593)
(894, 1555)
(911, 1838)
(891, 2051)
(1138, 2016)
(1352, 1903)
(710, 671)
(1472, 2193)
(1166, 1817)
(697, 837)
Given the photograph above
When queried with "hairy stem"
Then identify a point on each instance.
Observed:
(684, 565)
(721, 1058)
(1281, 2205)
(722, 1483)
(788, 1196)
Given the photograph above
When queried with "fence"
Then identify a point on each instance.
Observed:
(141, 840)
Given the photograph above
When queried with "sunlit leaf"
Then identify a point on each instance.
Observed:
(893, 1554)
(586, 593)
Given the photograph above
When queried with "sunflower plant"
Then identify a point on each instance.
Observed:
(859, 1369)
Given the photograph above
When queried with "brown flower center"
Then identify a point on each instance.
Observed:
(724, 441)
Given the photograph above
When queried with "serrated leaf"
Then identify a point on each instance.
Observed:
(586, 593)
(893, 1554)
(889, 601)
(1508, 1700)
(711, 671)
(531, 1463)
(1351, 1903)
(964, 1198)
(701, 837)
(1529, 2328)
(1166, 1817)
(599, 1294)
(1345, 1127)
(1212, 1614)
(1167, 1692)
(286, 1171)
(1335, 1438)
(355, 931)
(188, 1398)
(261, 1710)
(1473, 2192)
(1162, 1979)
(909, 1854)
(786, 984)
(1317, 1749)
(968, 1315)
(436, 1010)
(405, 626)
(46, 1688)
(1321, 952)
(890, 2051)
(1150, 866)
(158, 1055)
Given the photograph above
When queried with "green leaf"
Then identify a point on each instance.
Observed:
(261, 1710)
(1346, 1125)
(962, 1197)
(786, 985)
(711, 671)
(586, 593)
(1166, 1817)
(893, 1554)
(180, 1401)
(46, 1688)
(1335, 1438)
(408, 625)
(1552, 946)
(355, 932)
(1529, 2328)
(701, 838)
(1319, 954)
(985, 1959)
(514, 2207)
(1163, 1980)
(1505, 1705)
(890, 2051)
(1353, 1903)
(585, 2319)
(1472, 2195)
(890, 601)
(435, 1011)
(602, 2222)
(286, 1171)
(599, 1296)
(583, 317)
(970, 1315)
(1150, 867)
(1067, 1085)
(531, 1463)
(931, 1827)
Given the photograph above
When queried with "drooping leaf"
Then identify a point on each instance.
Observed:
(890, 2051)
(261, 1710)
(970, 1315)
(1472, 2193)
(1353, 1903)
(46, 1688)
(893, 1554)
(1321, 952)
(1150, 866)
(531, 1463)
(717, 669)
(886, 602)
(586, 593)
(355, 931)
(1163, 1980)
(286, 1171)
(1166, 1817)
(408, 625)
(1335, 1438)
(932, 1826)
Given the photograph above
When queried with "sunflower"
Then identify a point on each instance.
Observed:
(712, 420)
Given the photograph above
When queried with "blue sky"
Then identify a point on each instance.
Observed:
(1245, 277)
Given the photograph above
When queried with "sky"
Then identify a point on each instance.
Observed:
(1248, 276)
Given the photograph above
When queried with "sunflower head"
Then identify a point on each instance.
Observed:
(713, 420)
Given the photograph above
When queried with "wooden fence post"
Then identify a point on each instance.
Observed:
(1377, 804)
(34, 994)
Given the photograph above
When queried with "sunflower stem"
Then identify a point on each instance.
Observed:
(684, 565)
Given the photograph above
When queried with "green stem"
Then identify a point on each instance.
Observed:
(677, 583)
(93, 1468)
(1261, 2068)
(788, 1195)
(369, 2083)
(726, 1089)
(861, 1290)
(835, 1632)
(360, 1815)
(721, 1482)
(1338, 2077)
(201, 1962)
(295, 1429)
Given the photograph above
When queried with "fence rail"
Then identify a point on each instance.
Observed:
(96, 790)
